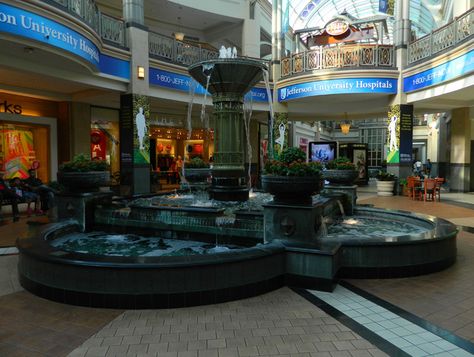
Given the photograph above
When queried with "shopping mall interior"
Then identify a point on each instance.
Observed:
(387, 83)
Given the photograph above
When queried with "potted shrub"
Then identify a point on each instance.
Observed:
(82, 174)
(340, 171)
(196, 170)
(290, 179)
(403, 187)
(385, 183)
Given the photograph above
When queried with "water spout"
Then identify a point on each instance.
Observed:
(207, 71)
(341, 208)
(192, 92)
(266, 78)
(247, 113)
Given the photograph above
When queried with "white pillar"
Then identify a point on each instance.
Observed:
(461, 6)
(251, 34)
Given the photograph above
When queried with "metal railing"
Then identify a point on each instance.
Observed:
(109, 28)
(340, 56)
(178, 52)
(460, 29)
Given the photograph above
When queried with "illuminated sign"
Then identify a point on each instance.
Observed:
(457, 67)
(182, 83)
(338, 86)
(337, 28)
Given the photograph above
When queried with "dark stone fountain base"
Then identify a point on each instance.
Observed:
(229, 187)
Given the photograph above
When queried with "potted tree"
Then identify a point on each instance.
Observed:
(385, 183)
(83, 174)
(290, 179)
(340, 171)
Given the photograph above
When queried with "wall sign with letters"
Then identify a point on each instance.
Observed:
(338, 86)
(20, 22)
(182, 82)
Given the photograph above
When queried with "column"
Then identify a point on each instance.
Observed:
(134, 106)
(462, 144)
(251, 32)
(400, 115)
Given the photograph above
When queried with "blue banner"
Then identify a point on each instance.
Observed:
(114, 66)
(182, 83)
(23, 23)
(338, 86)
(457, 67)
(383, 6)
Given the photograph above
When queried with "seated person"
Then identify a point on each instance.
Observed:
(28, 196)
(34, 184)
(7, 192)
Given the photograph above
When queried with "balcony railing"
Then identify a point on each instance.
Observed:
(341, 56)
(443, 38)
(109, 28)
(164, 47)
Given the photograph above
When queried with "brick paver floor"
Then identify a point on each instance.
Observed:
(280, 323)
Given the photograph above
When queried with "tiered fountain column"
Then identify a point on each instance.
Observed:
(228, 80)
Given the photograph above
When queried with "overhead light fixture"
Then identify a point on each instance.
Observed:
(179, 35)
(140, 72)
(345, 125)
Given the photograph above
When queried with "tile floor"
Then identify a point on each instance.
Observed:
(403, 317)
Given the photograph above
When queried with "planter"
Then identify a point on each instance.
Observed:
(385, 188)
(198, 175)
(292, 189)
(89, 181)
(340, 177)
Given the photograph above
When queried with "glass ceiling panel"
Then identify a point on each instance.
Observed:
(317, 13)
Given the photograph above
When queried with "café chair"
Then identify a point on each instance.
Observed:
(430, 189)
(414, 187)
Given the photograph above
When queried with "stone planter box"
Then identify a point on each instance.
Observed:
(385, 188)
(340, 177)
(292, 189)
(198, 175)
(89, 181)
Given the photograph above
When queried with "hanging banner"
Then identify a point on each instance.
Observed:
(280, 132)
(400, 134)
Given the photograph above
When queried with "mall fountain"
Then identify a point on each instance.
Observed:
(183, 249)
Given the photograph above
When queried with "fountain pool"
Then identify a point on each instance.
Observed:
(274, 243)
(221, 261)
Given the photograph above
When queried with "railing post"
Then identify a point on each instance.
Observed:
(320, 49)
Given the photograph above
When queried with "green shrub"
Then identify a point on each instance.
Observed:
(292, 162)
(341, 163)
(83, 163)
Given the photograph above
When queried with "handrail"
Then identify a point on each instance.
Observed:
(339, 56)
(447, 36)
(107, 27)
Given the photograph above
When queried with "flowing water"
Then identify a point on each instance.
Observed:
(247, 113)
(100, 243)
(266, 79)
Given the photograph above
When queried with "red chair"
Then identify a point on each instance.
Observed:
(414, 187)
(439, 182)
(430, 189)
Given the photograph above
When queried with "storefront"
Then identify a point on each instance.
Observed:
(169, 141)
(104, 138)
(28, 137)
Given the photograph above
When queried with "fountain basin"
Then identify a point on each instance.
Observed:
(174, 281)
(145, 282)
(233, 75)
